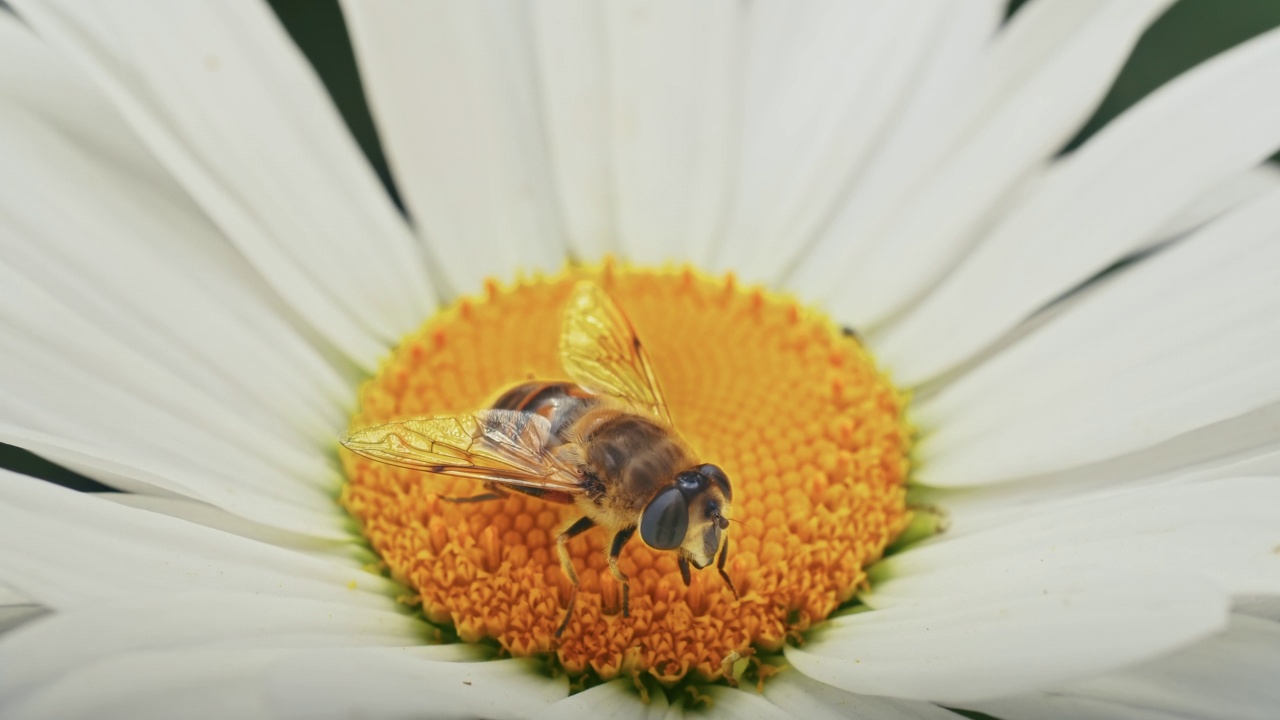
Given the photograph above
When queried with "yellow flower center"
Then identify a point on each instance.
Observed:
(794, 411)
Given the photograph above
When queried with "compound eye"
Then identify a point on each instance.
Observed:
(691, 481)
(717, 476)
(665, 520)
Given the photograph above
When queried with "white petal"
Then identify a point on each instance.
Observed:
(68, 549)
(212, 517)
(9, 597)
(34, 76)
(134, 354)
(265, 498)
(674, 88)
(1231, 675)
(822, 82)
(17, 609)
(1099, 204)
(231, 108)
(1186, 339)
(569, 41)
(1078, 622)
(104, 243)
(1266, 607)
(1222, 532)
(382, 683)
(907, 155)
(1244, 446)
(210, 684)
(617, 700)
(73, 367)
(1038, 81)
(276, 683)
(66, 641)
(452, 86)
(1239, 189)
(730, 702)
(804, 697)
(13, 616)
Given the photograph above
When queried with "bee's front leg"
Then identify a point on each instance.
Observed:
(615, 552)
(724, 555)
(566, 564)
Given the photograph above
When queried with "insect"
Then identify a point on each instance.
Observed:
(603, 443)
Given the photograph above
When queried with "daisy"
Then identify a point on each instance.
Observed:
(205, 286)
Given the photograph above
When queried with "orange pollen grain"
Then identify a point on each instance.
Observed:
(811, 434)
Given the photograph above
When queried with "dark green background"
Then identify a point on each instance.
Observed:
(1189, 32)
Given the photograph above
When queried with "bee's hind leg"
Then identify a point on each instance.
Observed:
(495, 493)
(615, 552)
(566, 564)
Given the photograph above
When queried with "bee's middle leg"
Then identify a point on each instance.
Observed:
(566, 564)
(615, 552)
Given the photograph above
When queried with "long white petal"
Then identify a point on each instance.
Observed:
(1242, 447)
(907, 155)
(68, 549)
(229, 105)
(734, 703)
(282, 683)
(158, 685)
(349, 548)
(67, 641)
(674, 84)
(1099, 204)
(987, 646)
(130, 353)
(103, 227)
(617, 700)
(1038, 81)
(72, 366)
(452, 86)
(1183, 340)
(385, 683)
(570, 43)
(267, 498)
(35, 76)
(1238, 189)
(823, 80)
(95, 245)
(1229, 676)
(16, 609)
(13, 616)
(1221, 531)
(804, 697)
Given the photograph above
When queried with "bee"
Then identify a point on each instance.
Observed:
(602, 442)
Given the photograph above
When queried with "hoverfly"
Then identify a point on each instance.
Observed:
(603, 443)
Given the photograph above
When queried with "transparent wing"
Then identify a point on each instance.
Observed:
(600, 351)
(504, 446)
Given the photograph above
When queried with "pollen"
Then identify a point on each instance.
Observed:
(793, 409)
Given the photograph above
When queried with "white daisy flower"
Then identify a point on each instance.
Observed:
(201, 272)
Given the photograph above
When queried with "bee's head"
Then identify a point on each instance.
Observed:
(691, 515)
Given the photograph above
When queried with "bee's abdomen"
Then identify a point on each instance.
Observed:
(560, 402)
